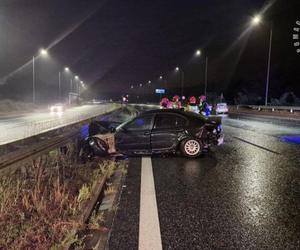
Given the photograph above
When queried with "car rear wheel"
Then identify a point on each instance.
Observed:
(191, 148)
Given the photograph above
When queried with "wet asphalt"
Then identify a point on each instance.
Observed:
(244, 194)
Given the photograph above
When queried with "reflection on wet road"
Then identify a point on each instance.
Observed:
(244, 194)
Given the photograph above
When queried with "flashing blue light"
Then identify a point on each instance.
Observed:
(295, 139)
(84, 131)
(140, 122)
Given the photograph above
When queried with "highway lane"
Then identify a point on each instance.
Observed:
(19, 127)
(244, 194)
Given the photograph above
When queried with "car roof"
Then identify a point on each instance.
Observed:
(174, 111)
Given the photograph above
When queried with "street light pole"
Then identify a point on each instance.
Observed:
(198, 53)
(182, 82)
(256, 20)
(43, 52)
(71, 85)
(59, 85)
(181, 78)
(33, 79)
(269, 65)
(76, 85)
(205, 80)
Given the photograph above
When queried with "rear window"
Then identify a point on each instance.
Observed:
(169, 121)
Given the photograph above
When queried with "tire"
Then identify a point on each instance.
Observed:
(191, 148)
(100, 147)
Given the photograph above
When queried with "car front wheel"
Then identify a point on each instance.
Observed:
(98, 147)
(191, 148)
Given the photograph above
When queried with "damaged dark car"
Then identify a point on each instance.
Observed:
(156, 132)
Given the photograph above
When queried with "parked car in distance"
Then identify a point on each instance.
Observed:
(156, 132)
(221, 108)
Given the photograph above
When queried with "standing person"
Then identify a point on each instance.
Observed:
(202, 103)
(164, 103)
(192, 105)
(176, 103)
(203, 106)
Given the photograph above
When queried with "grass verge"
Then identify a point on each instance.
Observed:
(39, 203)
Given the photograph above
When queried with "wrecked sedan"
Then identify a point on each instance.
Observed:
(155, 132)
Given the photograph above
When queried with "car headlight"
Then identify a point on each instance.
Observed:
(92, 142)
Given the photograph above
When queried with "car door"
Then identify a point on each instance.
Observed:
(166, 131)
(135, 135)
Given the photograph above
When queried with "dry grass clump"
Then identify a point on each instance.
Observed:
(36, 211)
(38, 205)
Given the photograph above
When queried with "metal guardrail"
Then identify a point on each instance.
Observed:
(32, 151)
(27, 129)
(290, 109)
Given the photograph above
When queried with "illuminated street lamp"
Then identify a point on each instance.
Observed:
(67, 70)
(77, 88)
(42, 53)
(81, 86)
(160, 77)
(198, 52)
(149, 82)
(256, 20)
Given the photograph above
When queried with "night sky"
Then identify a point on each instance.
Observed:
(114, 44)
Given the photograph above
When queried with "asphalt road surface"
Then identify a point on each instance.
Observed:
(244, 194)
(18, 127)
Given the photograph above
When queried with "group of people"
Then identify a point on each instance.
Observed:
(175, 103)
(193, 105)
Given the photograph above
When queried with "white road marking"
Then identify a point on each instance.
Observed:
(149, 230)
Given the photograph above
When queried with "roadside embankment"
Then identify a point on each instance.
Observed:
(288, 113)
